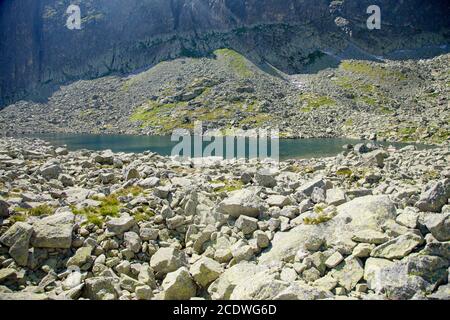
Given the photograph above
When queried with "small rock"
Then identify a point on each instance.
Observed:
(143, 293)
(308, 188)
(72, 281)
(244, 253)
(439, 226)
(120, 225)
(246, 224)
(147, 234)
(278, 201)
(66, 180)
(4, 209)
(7, 274)
(266, 178)
(167, 260)
(82, 257)
(205, 271)
(128, 283)
(50, 170)
(397, 248)
(149, 183)
(370, 236)
(17, 238)
(241, 202)
(106, 157)
(363, 250)
(61, 151)
(178, 285)
(162, 191)
(318, 195)
(349, 272)
(335, 197)
(434, 196)
(131, 173)
(361, 287)
(132, 241)
(334, 260)
(326, 283)
(408, 220)
(100, 288)
(288, 275)
(262, 240)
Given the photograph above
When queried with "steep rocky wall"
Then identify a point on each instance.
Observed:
(38, 52)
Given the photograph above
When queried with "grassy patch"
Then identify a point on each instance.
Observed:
(209, 114)
(159, 116)
(348, 84)
(85, 113)
(134, 190)
(344, 83)
(348, 122)
(311, 101)
(42, 210)
(109, 207)
(407, 134)
(369, 100)
(344, 172)
(431, 175)
(230, 185)
(257, 120)
(317, 220)
(164, 118)
(301, 169)
(386, 110)
(143, 216)
(441, 135)
(407, 130)
(17, 217)
(371, 70)
(94, 219)
(21, 214)
(236, 61)
(361, 91)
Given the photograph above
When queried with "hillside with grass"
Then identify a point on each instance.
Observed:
(397, 101)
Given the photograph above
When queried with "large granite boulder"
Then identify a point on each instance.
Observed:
(54, 231)
(242, 202)
(17, 238)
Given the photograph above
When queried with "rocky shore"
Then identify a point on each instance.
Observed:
(403, 101)
(370, 223)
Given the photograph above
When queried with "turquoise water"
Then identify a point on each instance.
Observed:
(289, 148)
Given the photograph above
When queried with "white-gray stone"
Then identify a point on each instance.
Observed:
(54, 231)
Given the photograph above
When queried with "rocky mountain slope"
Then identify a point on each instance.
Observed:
(367, 224)
(393, 100)
(38, 53)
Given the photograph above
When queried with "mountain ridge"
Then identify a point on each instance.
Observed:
(38, 53)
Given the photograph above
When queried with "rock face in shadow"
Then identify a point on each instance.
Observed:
(121, 36)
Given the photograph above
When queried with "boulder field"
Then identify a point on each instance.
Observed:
(370, 223)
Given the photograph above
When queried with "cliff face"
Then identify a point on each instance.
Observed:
(37, 51)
